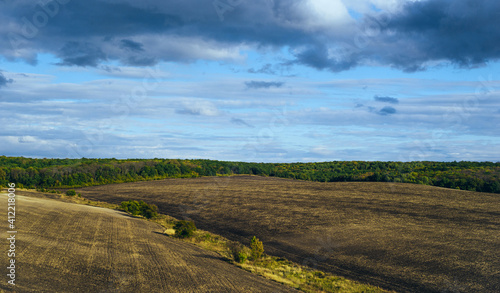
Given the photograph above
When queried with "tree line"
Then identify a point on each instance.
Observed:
(70, 173)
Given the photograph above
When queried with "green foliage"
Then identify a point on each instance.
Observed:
(184, 229)
(70, 173)
(71, 192)
(257, 248)
(140, 208)
(242, 257)
(237, 251)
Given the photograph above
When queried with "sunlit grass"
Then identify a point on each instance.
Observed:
(274, 268)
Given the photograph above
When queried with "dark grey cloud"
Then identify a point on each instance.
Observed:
(81, 54)
(318, 56)
(464, 32)
(131, 45)
(387, 111)
(106, 26)
(461, 32)
(263, 84)
(142, 33)
(4, 81)
(389, 100)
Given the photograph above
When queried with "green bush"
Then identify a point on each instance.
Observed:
(237, 251)
(242, 257)
(184, 229)
(71, 192)
(140, 208)
(257, 248)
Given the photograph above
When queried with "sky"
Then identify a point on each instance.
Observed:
(255, 81)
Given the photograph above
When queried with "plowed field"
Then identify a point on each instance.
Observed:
(63, 247)
(405, 237)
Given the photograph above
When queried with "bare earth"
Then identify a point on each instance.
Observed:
(64, 247)
(405, 237)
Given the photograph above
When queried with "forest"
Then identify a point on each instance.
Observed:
(70, 173)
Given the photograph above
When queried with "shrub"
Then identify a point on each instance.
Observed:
(140, 208)
(237, 251)
(257, 248)
(71, 192)
(242, 257)
(149, 211)
(184, 229)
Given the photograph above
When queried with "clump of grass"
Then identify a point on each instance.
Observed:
(304, 278)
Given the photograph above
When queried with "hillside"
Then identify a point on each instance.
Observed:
(64, 247)
(405, 237)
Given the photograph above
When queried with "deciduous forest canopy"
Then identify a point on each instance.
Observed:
(66, 173)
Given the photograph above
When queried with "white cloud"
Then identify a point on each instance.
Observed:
(188, 49)
(197, 107)
(323, 14)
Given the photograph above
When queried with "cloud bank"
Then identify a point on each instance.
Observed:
(327, 35)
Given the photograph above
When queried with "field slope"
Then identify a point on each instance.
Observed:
(410, 238)
(64, 247)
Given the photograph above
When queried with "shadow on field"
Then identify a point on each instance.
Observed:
(404, 237)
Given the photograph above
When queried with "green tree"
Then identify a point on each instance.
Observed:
(257, 248)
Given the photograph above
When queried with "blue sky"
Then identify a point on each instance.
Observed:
(264, 80)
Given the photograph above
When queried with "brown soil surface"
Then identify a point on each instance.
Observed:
(405, 237)
(64, 247)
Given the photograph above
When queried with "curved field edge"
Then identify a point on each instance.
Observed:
(273, 268)
(404, 237)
